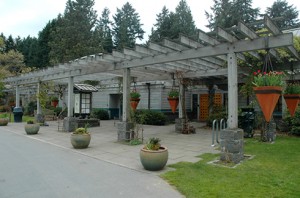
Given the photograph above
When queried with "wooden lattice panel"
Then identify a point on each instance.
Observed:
(204, 103)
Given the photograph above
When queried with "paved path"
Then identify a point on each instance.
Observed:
(105, 151)
(104, 143)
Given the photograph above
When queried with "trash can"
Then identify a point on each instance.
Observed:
(18, 113)
(246, 121)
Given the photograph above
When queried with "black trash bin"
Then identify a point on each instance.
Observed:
(18, 113)
(246, 121)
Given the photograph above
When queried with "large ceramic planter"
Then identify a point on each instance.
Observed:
(32, 129)
(267, 97)
(80, 141)
(154, 160)
(3, 121)
(134, 103)
(292, 101)
(173, 103)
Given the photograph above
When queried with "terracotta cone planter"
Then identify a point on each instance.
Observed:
(292, 101)
(54, 103)
(134, 103)
(267, 97)
(173, 103)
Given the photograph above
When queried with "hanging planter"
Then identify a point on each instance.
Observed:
(268, 88)
(292, 97)
(173, 99)
(54, 101)
(134, 99)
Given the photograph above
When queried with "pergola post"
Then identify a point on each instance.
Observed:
(17, 96)
(70, 123)
(39, 117)
(125, 127)
(181, 119)
(232, 138)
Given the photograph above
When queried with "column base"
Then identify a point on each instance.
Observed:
(70, 124)
(125, 131)
(232, 145)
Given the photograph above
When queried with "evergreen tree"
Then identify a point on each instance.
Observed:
(288, 14)
(221, 14)
(29, 48)
(127, 27)
(170, 25)
(73, 36)
(103, 31)
(242, 11)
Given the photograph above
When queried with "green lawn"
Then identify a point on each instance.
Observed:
(24, 118)
(273, 172)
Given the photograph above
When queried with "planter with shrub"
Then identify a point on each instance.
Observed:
(4, 119)
(81, 138)
(32, 128)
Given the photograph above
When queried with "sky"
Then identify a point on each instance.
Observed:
(28, 17)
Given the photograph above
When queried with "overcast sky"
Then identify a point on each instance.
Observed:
(28, 17)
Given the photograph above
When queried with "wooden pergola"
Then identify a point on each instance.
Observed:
(211, 55)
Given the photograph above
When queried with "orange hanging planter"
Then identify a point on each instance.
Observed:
(292, 101)
(134, 103)
(267, 97)
(173, 103)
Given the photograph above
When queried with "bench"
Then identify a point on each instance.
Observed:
(49, 114)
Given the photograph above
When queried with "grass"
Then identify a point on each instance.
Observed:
(273, 172)
(24, 118)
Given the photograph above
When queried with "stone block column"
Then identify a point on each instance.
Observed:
(232, 145)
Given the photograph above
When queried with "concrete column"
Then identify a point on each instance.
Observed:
(38, 104)
(181, 95)
(17, 96)
(70, 96)
(232, 91)
(126, 96)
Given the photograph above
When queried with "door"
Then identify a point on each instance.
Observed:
(204, 103)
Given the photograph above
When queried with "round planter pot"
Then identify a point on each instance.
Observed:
(154, 160)
(3, 121)
(32, 129)
(80, 141)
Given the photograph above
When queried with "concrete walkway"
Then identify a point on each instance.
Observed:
(104, 145)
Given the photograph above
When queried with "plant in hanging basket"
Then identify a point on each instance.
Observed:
(292, 97)
(173, 98)
(134, 99)
(268, 87)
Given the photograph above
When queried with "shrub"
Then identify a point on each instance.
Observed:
(100, 114)
(295, 123)
(150, 117)
(29, 109)
(218, 112)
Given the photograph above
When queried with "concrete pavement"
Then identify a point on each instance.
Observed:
(104, 145)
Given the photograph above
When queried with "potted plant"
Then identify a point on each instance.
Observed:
(4, 119)
(31, 128)
(54, 101)
(153, 155)
(134, 99)
(80, 138)
(268, 87)
(292, 97)
(173, 98)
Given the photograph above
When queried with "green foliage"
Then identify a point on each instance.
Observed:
(127, 27)
(54, 98)
(135, 95)
(173, 93)
(287, 14)
(273, 165)
(171, 25)
(3, 115)
(100, 114)
(5, 108)
(292, 88)
(30, 107)
(81, 130)
(135, 142)
(295, 123)
(150, 117)
(218, 112)
(30, 122)
(153, 144)
(271, 78)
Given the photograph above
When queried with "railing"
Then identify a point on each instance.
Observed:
(216, 128)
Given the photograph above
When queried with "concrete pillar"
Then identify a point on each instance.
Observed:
(70, 96)
(232, 138)
(125, 127)
(181, 95)
(17, 96)
(38, 104)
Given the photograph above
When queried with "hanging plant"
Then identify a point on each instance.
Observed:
(173, 98)
(292, 97)
(134, 99)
